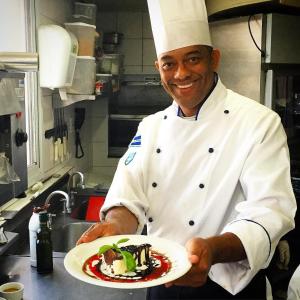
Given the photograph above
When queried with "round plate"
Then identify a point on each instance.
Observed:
(176, 253)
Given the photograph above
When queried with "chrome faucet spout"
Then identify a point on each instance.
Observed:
(66, 199)
(81, 183)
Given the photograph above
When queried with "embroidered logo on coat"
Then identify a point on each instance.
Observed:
(130, 158)
(136, 141)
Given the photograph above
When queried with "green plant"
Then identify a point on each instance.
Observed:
(127, 256)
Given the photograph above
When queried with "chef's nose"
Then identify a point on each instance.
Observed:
(182, 72)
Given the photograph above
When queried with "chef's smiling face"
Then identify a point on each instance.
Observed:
(187, 74)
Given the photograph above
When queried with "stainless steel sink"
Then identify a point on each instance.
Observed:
(64, 238)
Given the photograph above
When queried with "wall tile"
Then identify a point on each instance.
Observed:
(149, 53)
(130, 24)
(106, 21)
(132, 50)
(133, 69)
(150, 70)
(99, 130)
(98, 108)
(99, 156)
(147, 31)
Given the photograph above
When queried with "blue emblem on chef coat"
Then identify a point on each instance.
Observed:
(130, 158)
(136, 141)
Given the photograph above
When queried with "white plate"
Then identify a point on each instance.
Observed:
(176, 253)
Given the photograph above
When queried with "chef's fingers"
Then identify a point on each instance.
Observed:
(98, 230)
(194, 259)
(90, 234)
(195, 277)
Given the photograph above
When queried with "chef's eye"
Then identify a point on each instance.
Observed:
(194, 59)
(167, 66)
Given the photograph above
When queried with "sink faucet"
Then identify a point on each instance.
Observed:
(70, 185)
(66, 199)
(70, 181)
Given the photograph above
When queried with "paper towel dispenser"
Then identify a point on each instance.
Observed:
(58, 50)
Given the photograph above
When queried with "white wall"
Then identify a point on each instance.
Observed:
(12, 26)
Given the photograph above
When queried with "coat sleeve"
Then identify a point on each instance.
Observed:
(269, 210)
(127, 185)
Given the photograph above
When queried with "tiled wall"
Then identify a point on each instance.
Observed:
(139, 55)
(102, 168)
(137, 43)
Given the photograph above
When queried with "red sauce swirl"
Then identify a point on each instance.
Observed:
(163, 269)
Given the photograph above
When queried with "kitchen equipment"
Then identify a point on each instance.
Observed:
(19, 61)
(3, 237)
(85, 34)
(112, 38)
(85, 12)
(247, 7)
(12, 140)
(139, 96)
(110, 64)
(84, 76)
(58, 49)
(79, 119)
(103, 84)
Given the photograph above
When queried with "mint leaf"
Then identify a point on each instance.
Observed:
(104, 248)
(122, 241)
(129, 261)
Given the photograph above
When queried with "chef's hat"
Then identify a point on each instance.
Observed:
(178, 23)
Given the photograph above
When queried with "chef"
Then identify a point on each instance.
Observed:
(294, 286)
(210, 172)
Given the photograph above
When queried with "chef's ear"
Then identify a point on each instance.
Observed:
(156, 65)
(215, 58)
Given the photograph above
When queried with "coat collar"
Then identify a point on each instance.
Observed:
(217, 94)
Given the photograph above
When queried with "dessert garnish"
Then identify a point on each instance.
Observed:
(114, 252)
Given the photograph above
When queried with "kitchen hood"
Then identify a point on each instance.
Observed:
(231, 8)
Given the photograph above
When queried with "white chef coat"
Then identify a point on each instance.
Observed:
(227, 171)
(294, 286)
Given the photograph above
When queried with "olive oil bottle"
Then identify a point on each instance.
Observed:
(44, 259)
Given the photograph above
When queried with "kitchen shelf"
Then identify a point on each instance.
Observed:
(71, 98)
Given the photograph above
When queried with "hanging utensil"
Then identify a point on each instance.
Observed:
(55, 136)
(65, 134)
(60, 146)
(79, 119)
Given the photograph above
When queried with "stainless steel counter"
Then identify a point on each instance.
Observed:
(58, 285)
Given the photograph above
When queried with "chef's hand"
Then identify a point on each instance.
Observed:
(98, 230)
(118, 220)
(200, 256)
(284, 255)
(203, 253)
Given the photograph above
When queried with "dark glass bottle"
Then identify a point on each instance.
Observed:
(44, 260)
